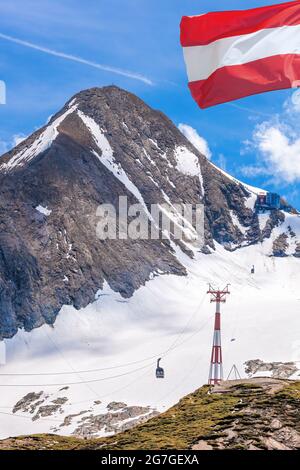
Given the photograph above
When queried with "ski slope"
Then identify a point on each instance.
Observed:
(108, 351)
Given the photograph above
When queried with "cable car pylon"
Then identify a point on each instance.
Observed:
(235, 373)
(216, 363)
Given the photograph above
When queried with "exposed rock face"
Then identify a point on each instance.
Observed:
(103, 144)
(117, 420)
(279, 370)
(116, 405)
(297, 251)
(29, 403)
(261, 422)
(36, 404)
(280, 245)
(276, 218)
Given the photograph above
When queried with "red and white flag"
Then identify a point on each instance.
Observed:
(233, 54)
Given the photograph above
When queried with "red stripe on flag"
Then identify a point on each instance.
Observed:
(237, 81)
(204, 29)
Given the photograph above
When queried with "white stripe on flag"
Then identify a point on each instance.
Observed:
(202, 61)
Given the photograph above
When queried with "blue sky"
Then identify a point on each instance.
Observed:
(255, 139)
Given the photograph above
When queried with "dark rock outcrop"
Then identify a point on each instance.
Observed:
(279, 370)
(280, 245)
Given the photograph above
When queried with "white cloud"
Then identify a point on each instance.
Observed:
(277, 143)
(292, 104)
(17, 139)
(7, 145)
(3, 147)
(198, 142)
(2, 92)
(106, 68)
(280, 152)
(253, 171)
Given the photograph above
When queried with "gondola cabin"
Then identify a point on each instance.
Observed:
(160, 373)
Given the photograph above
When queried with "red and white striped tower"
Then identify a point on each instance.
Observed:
(216, 364)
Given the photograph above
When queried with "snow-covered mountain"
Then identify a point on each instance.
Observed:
(103, 144)
(88, 318)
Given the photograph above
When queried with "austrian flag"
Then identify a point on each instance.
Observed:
(233, 54)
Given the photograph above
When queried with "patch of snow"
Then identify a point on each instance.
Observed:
(188, 164)
(262, 373)
(72, 102)
(253, 189)
(296, 375)
(170, 182)
(164, 156)
(70, 247)
(43, 210)
(263, 219)
(250, 201)
(149, 158)
(154, 143)
(237, 223)
(153, 180)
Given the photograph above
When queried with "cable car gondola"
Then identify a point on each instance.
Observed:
(160, 373)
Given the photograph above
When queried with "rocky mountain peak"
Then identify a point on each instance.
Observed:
(103, 144)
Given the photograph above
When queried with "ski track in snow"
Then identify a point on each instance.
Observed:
(170, 317)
